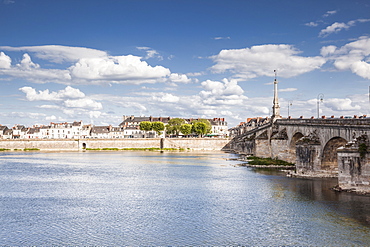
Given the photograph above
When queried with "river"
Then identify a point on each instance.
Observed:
(172, 198)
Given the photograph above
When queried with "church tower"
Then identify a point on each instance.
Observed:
(275, 102)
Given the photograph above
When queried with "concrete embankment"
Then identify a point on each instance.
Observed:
(81, 144)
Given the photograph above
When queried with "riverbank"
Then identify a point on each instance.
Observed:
(197, 144)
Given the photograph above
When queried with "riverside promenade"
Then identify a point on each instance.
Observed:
(197, 144)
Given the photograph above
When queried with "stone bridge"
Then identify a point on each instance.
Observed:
(318, 147)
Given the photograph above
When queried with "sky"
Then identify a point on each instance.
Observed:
(95, 61)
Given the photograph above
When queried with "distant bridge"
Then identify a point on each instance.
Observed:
(312, 144)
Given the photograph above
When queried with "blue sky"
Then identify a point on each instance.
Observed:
(98, 60)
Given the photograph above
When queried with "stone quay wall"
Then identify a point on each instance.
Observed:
(214, 144)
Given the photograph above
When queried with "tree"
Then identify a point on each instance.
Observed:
(174, 125)
(158, 127)
(186, 129)
(208, 127)
(200, 128)
(145, 125)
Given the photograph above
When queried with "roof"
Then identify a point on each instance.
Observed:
(100, 129)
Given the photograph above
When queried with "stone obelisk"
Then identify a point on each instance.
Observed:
(275, 102)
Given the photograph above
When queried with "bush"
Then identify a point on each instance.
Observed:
(256, 161)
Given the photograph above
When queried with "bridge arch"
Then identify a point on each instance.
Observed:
(295, 138)
(329, 153)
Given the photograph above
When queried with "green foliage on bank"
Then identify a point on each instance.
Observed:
(4, 149)
(362, 149)
(31, 149)
(135, 149)
(256, 161)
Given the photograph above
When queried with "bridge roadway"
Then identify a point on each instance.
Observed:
(311, 144)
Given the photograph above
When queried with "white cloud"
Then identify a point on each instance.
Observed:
(58, 53)
(116, 69)
(94, 114)
(150, 53)
(179, 78)
(83, 103)
(166, 97)
(354, 56)
(311, 24)
(262, 60)
(341, 104)
(339, 26)
(8, 1)
(334, 28)
(288, 89)
(68, 92)
(49, 106)
(32, 95)
(329, 13)
(219, 38)
(327, 50)
(27, 63)
(51, 118)
(5, 61)
(222, 93)
(86, 66)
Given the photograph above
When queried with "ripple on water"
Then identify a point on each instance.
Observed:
(164, 199)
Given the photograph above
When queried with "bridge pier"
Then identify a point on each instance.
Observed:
(354, 165)
(308, 152)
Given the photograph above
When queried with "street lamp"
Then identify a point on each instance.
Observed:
(289, 104)
(320, 98)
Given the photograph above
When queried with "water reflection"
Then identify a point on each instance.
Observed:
(319, 190)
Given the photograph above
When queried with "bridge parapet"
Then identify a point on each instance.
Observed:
(328, 121)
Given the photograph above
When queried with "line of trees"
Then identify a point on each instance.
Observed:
(176, 126)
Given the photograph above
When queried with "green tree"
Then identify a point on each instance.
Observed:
(200, 128)
(158, 127)
(174, 125)
(169, 129)
(186, 129)
(206, 122)
(145, 125)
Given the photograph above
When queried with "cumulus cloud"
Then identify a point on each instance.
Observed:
(354, 56)
(27, 63)
(32, 95)
(68, 92)
(69, 101)
(341, 104)
(227, 92)
(5, 61)
(166, 97)
(119, 68)
(86, 66)
(339, 26)
(261, 60)
(179, 78)
(83, 103)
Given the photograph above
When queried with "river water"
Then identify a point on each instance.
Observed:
(170, 198)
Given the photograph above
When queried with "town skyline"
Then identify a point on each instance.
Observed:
(65, 61)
